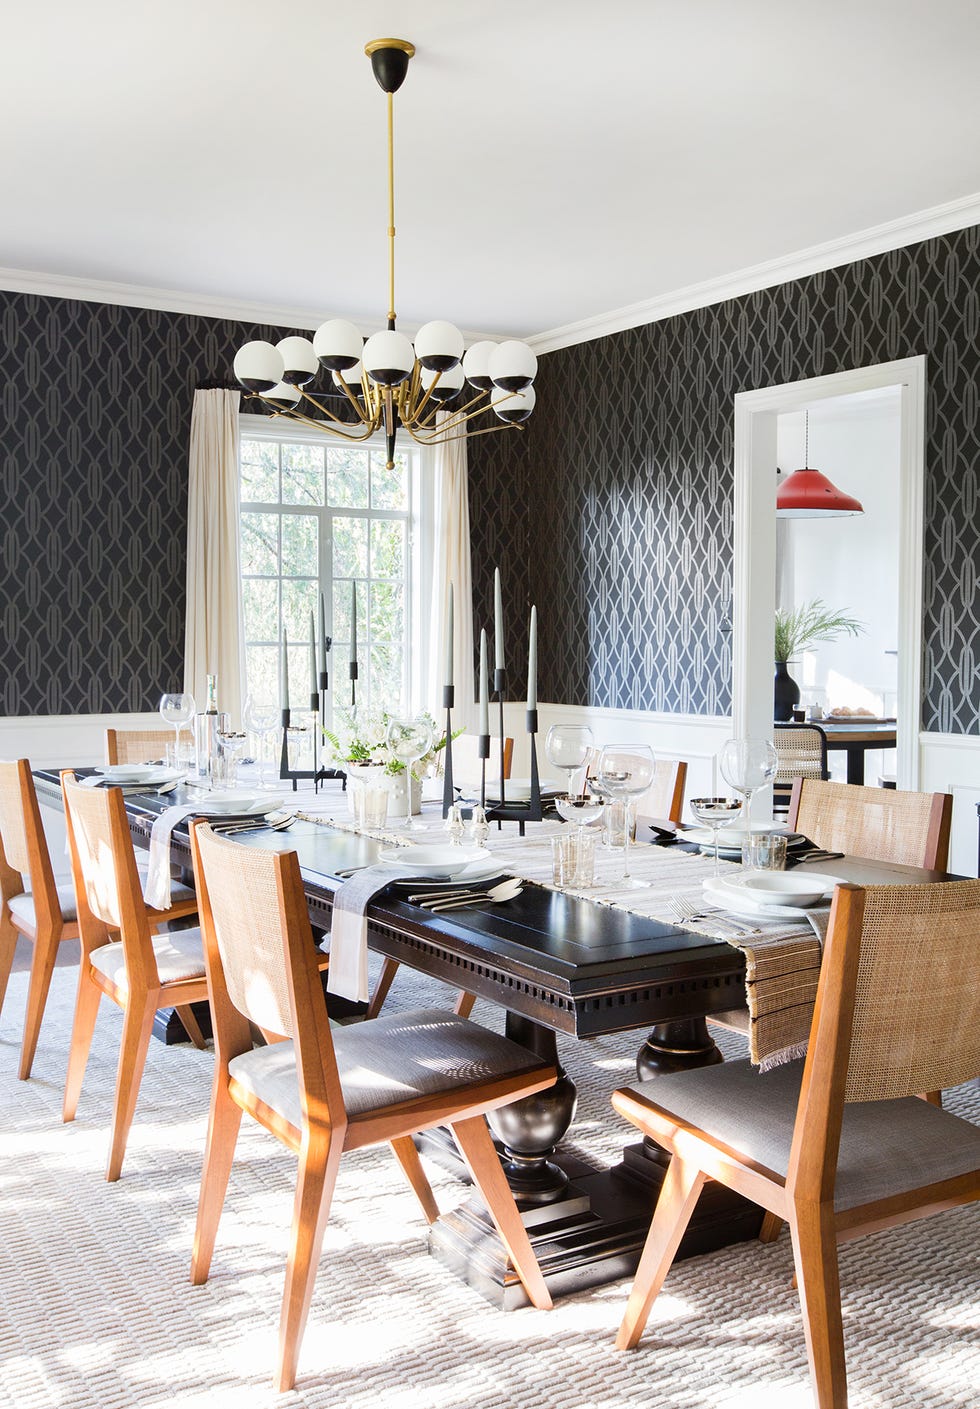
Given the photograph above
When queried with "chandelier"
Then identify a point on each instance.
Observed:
(386, 382)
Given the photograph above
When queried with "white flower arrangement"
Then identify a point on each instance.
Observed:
(359, 737)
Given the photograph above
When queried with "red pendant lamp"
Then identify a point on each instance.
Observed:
(807, 494)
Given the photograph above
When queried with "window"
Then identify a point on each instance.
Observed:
(318, 514)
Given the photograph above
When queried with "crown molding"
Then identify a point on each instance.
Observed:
(878, 239)
(27, 281)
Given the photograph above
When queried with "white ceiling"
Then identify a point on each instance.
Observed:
(555, 159)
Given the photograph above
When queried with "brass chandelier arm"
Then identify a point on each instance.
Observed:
(464, 414)
(291, 414)
(358, 407)
(325, 410)
(441, 438)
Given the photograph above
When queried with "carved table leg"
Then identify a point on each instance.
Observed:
(530, 1129)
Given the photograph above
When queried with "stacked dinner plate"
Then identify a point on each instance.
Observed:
(730, 838)
(770, 895)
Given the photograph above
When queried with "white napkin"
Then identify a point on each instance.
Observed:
(348, 972)
(157, 889)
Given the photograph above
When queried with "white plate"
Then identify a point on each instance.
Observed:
(731, 838)
(138, 773)
(783, 887)
(742, 905)
(434, 860)
(234, 804)
(739, 883)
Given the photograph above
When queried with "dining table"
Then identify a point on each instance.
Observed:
(561, 966)
(854, 737)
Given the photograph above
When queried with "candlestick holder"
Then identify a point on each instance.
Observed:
(285, 771)
(352, 675)
(498, 690)
(522, 812)
(483, 753)
(448, 791)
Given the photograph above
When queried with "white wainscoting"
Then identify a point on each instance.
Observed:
(950, 763)
(62, 741)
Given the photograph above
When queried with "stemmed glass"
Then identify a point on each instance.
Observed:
(625, 771)
(261, 716)
(178, 710)
(232, 747)
(569, 747)
(714, 812)
(747, 765)
(408, 740)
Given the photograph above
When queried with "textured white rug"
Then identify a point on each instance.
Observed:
(96, 1311)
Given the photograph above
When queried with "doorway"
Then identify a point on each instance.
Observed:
(754, 587)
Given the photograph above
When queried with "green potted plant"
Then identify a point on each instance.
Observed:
(359, 740)
(807, 625)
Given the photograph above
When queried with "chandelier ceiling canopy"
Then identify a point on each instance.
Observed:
(386, 382)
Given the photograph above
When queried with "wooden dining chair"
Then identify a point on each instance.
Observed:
(322, 1092)
(32, 903)
(137, 745)
(140, 970)
(801, 750)
(882, 824)
(664, 799)
(837, 1146)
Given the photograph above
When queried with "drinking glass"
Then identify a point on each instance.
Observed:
(408, 740)
(714, 812)
(625, 771)
(178, 710)
(747, 765)
(232, 747)
(569, 747)
(580, 808)
(261, 716)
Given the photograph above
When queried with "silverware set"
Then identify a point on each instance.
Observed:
(442, 900)
(274, 822)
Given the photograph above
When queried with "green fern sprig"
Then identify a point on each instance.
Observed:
(809, 624)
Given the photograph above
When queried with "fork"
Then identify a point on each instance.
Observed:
(684, 910)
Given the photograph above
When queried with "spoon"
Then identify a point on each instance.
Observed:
(506, 890)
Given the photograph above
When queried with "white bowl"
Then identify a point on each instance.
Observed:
(783, 887)
(440, 861)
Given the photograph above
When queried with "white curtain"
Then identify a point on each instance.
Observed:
(214, 641)
(451, 564)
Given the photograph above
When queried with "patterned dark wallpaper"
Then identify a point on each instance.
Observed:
(619, 496)
(93, 508)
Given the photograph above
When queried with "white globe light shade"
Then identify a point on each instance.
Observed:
(476, 365)
(337, 345)
(352, 376)
(513, 406)
(438, 346)
(450, 383)
(388, 358)
(512, 365)
(283, 395)
(258, 366)
(299, 361)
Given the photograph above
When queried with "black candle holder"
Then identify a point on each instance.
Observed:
(318, 708)
(520, 812)
(483, 753)
(498, 690)
(448, 797)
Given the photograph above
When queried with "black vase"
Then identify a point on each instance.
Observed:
(786, 694)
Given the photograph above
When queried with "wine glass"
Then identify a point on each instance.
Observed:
(747, 765)
(178, 710)
(569, 747)
(408, 740)
(625, 771)
(232, 743)
(261, 716)
(714, 812)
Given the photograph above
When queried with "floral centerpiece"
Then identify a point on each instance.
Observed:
(358, 741)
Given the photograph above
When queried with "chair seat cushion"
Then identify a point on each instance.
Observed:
(179, 956)
(388, 1061)
(886, 1147)
(22, 906)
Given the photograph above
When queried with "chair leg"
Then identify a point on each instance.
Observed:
(815, 1254)
(479, 1152)
(464, 1004)
(137, 1029)
(319, 1159)
(8, 943)
(408, 1157)
(191, 1026)
(86, 1011)
(388, 970)
(219, 1153)
(42, 967)
(681, 1187)
(771, 1228)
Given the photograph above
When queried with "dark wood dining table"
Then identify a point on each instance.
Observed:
(855, 737)
(558, 965)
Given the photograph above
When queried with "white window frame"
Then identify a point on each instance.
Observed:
(420, 547)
